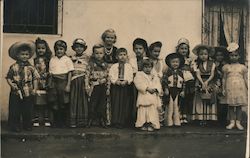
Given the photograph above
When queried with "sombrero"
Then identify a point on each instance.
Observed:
(13, 50)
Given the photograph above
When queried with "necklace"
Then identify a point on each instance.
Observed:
(108, 52)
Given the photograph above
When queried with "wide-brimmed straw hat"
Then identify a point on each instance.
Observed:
(232, 47)
(14, 48)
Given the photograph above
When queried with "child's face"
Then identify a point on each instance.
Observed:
(234, 57)
(155, 53)
(60, 51)
(99, 53)
(175, 63)
(147, 69)
(23, 55)
(183, 50)
(122, 57)
(41, 49)
(109, 39)
(203, 54)
(219, 56)
(79, 49)
(41, 61)
(139, 50)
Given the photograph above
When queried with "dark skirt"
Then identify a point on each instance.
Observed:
(78, 103)
(121, 105)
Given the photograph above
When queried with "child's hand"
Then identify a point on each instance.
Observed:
(67, 88)
(166, 91)
(38, 93)
(123, 83)
(182, 94)
(150, 90)
(102, 81)
(14, 86)
(223, 92)
(118, 82)
(206, 84)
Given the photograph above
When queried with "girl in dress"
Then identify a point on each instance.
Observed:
(41, 62)
(121, 76)
(78, 95)
(173, 84)
(204, 107)
(149, 88)
(98, 86)
(109, 39)
(220, 58)
(235, 86)
(186, 103)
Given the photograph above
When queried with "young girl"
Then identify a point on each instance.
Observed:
(60, 68)
(78, 95)
(186, 103)
(205, 107)
(98, 86)
(158, 68)
(220, 59)
(154, 53)
(22, 78)
(121, 76)
(41, 109)
(235, 86)
(109, 39)
(149, 88)
(173, 84)
(140, 48)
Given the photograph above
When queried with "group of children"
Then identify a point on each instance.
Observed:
(112, 89)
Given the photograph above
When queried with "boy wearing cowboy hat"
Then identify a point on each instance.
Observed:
(22, 78)
(173, 85)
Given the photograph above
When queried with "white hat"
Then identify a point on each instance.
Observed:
(183, 41)
(232, 47)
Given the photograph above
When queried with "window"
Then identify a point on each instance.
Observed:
(226, 21)
(31, 16)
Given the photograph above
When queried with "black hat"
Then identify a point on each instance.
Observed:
(173, 56)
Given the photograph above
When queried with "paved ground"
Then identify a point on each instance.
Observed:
(189, 142)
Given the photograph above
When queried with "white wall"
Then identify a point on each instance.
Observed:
(165, 21)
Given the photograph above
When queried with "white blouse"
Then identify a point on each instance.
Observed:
(61, 65)
(114, 73)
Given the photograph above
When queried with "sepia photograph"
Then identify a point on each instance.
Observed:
(124, 78)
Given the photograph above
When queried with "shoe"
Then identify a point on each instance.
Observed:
(144, 128)
(47, 124)
(185, 121)
(36, 124)
(231, 125)
(150, 129)
(239, 126)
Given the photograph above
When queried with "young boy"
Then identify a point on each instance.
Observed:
(173, 85)
(60, 68)
(97, 86)
(22, 78)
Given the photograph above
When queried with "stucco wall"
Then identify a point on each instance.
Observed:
(166, 21)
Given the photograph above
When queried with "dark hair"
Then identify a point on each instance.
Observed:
(96, 46)
(48, 52)
(60, 43)
(118, 51)
(152, 46)
(198, 60)
(142, 42)
(178, 46)
(23, 48)
(147, 62)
